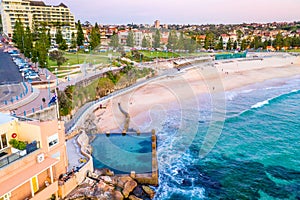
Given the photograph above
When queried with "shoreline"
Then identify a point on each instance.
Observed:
(190, 83)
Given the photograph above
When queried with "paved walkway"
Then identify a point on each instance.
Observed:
(36, 103)
(74, 153)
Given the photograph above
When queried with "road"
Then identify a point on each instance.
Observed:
(9, 73)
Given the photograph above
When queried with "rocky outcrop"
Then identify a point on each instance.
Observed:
(132, 197)
(129, 187)
(102, 184)
(89, 125)
(104, 172)
(118, 195)
(149, 191)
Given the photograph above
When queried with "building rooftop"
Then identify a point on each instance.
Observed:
(41, 3)
(5, 118)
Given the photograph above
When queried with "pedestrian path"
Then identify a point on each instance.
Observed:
(19, 103)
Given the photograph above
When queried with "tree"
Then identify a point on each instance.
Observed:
(209, 40)
(130, 39)
(278, 42)
(114, 41)
(172, 40)
(256, 42)
(28, 42)
(220, 44)
(180, 42)
(235, 45)
(63, 45)
(18, 35)
(58, 37)
(244, 44)
(41, 48)
(190, 45)
(156, 41)
(229, 44)
(145, 42)
(49, 39)
(80, 35)
(95, 37)
(58, 56)
(73, 40)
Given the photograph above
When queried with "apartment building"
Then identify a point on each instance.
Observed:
(31, 173)
(34, 13)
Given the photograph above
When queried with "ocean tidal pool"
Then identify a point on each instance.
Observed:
(123, 153)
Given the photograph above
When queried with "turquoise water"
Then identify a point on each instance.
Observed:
(123, 154)
(257, 155)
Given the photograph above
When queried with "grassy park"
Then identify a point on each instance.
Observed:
(81, 57)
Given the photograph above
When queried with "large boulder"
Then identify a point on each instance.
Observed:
(129, 187)
(149, 191)
(118, 195)
(104, 172)
(140, 193)
(105, 187)
(106, 179)
(132, 197)
(121, 181)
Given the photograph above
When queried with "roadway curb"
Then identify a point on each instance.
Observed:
(22, 102)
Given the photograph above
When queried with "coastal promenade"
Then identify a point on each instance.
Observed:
(254, 63)
(79, 117)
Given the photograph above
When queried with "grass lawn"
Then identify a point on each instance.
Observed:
(294, 50)
(158, 54)
(79, 58)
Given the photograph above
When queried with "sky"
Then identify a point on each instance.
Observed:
(182, 11)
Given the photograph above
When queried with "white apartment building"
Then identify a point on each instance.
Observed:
(34, 13)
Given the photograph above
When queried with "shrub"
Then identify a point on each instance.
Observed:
(17, 144)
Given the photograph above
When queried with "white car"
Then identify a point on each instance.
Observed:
(32, 76)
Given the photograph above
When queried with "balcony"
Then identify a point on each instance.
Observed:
(10, 154)
(45, 192)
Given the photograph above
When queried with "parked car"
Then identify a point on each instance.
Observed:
(32, 76)
(24, 69)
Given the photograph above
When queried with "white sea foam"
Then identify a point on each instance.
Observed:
(231, 95)
(266, 102)
(260, 104)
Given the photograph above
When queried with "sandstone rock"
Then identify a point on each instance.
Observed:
(105, 187)
(132, 197)
(106, 179)
(140, 193)
(123, 180)
(104, 172)
(118, 195)
(149, 191)
(129, 187)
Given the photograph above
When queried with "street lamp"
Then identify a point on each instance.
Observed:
(48, 78)
(69, 72)
(23, 77)
(56, 77)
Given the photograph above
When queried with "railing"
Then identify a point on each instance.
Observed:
(20, 154)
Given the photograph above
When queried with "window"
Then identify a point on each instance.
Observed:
(53, 140)
(56, 155)
(3, 141)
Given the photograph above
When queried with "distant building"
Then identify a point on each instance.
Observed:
(32, 173)
(157, 24)
(34, 13)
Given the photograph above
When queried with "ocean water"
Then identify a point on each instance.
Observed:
(256, 156)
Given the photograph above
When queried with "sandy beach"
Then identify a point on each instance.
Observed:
(170, 91)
